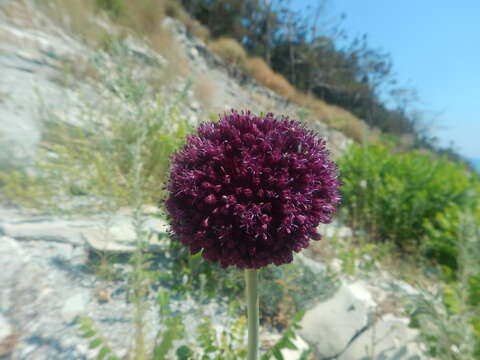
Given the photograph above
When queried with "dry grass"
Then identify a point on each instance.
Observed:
(177, 63)
(231, 51)
(204, 89)
(144, 18)
(198, 30)
(267, 77)
(347, 123)
(78, 16)
(75, 71)
(319, 108)
(374, 135)
(335, 116)
(17, 11)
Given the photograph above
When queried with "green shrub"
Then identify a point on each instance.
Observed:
(449, 317)
(392, 196)
(443, 232)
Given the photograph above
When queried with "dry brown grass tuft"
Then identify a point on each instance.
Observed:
(267, 77)
(161, 40)
(334, 116)
(346, 122)
(198, 30)
(230, 50)
(177, 63)
(144, 16)
(204, 90)
(355, 129)
(319, 108)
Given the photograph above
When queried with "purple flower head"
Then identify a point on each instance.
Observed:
(249, 190)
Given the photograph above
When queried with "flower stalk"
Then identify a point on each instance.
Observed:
(251, 280)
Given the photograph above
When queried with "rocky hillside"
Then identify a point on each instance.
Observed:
(47, 279)
(35, 54)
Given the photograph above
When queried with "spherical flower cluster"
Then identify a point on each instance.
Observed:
(249, 190)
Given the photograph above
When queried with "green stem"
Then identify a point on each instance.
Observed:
(251, 280)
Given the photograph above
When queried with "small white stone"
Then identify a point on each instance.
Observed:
(193, 52)
(336, 265)
(74, 306)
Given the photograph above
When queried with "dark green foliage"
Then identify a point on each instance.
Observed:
(393, 195)
(184, 353)
(223, 18)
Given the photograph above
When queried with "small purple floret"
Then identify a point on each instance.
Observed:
(249, 190)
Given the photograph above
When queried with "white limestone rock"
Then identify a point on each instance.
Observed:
(332, 325)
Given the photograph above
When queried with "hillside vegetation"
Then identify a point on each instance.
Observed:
(411, 211)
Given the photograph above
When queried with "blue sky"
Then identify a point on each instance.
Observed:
(435, 47)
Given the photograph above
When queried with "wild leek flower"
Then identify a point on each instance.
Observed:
(249, 191)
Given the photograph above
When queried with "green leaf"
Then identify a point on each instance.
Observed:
(88, 334)
(95, 343)
(85, 328)
(104, 351)
(173, 331)
(277, 354)
(287, 344)
(86, 321)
